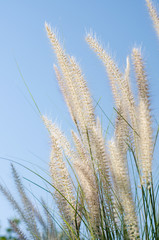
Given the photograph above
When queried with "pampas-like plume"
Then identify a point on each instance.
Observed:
(145, 122)
(112, 70)
(28, 206)
(14, 203)
(72, 83)
(64, 91)
(120, 83)
(154, 15)
(126, 109)
(86, 174)
(123, 189)
(36, 226)
(128, 98)
(118, 161)
(17, 230)
(101, 162)
(64, 192)
(100, 173)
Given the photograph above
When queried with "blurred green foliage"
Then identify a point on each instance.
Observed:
(10, 234)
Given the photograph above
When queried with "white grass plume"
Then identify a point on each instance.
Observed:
(144, 118)
(154, 15)
(65, 197)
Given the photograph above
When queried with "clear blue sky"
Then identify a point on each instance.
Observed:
(120, 26)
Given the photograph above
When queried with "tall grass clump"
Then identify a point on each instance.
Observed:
(36, 224)
(103, 189)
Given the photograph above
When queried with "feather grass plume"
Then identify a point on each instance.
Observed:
(144, 118)
(65, 196)
(103, 189)
(37, 226)
(154, 15)
(72, 81)
(103, 173)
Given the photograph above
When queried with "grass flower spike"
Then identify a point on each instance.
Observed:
(104, 189)
(144, 118)
(64, 190)
(154, 15)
